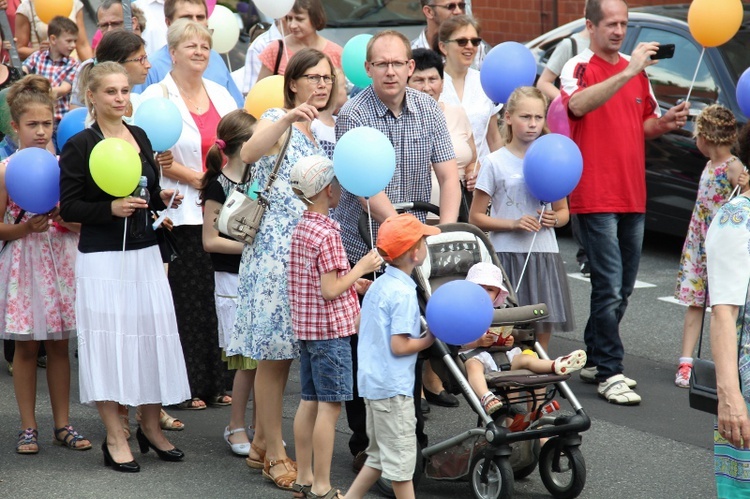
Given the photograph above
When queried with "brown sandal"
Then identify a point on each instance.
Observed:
(285, 480)
(256, 464)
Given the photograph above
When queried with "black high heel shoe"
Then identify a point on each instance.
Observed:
(173, 454)
(129, 467)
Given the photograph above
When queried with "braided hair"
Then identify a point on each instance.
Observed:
(717, 125)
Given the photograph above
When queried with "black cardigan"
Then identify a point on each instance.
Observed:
(82, 201)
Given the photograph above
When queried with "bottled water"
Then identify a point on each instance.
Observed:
(139, 219)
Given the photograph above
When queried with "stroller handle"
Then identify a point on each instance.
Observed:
(364, 231)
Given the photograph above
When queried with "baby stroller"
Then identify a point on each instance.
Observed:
(490, 456)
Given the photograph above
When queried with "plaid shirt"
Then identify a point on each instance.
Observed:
(57, 72)
(316, 250)
(420, 137)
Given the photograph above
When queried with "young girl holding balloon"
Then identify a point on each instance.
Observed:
(518, 219)
(37, 271)
(225, 171)
(715, 134)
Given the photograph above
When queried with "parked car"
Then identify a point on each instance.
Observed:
(673, 162)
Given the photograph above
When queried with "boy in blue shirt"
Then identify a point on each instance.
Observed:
(389, 340)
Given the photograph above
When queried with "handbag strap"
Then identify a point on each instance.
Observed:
(17, 221)
(278, 58)
(279, 159)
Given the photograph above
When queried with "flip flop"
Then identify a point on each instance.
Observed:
(191, 405)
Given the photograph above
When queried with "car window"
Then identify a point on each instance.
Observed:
(670, 78)
(346, 13)
(736, 52)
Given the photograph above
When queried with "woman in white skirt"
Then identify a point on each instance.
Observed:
(128, 346)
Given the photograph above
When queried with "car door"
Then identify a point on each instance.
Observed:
(673, 161)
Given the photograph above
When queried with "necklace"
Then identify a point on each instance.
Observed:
(198, 109)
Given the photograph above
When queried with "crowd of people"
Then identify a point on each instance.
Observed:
(164, 314)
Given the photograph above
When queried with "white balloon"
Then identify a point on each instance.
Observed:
(275, 8)
(226, 29)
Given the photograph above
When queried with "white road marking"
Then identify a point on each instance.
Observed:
(638, 284)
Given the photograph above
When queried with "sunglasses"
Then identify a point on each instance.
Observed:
(462, 42)
(452, 6)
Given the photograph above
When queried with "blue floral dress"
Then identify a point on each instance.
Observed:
(714, 190)
(263, 328)
(728, 243)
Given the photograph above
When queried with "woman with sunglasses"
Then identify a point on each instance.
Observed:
(458, 41)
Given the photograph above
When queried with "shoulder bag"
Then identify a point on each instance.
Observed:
(240, 215)
(702, 387)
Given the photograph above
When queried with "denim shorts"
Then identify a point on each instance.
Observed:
(326, 370)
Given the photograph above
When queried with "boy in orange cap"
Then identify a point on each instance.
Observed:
(389, 340)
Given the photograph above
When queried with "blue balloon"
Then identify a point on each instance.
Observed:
(506, 67)
(32, 179)
(161, 120)
(552, 167)
(743, 92)
(459, 312)
(364, 161)
(73, 122)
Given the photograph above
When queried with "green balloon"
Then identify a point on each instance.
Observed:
(5, 118)
(353, 60)
(115, 167)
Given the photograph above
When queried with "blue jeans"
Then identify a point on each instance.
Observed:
(613, 244)
(326, 370)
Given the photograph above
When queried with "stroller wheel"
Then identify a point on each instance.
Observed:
(499, 482)
(563, 469)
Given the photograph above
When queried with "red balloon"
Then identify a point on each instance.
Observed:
(557, 117)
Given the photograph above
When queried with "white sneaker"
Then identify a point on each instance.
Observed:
(569, 363)
(616, 391)
(588, 375)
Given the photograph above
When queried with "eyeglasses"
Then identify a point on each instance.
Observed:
(462, 42)
(452, 6)
(383, 66)
(110, 25)
(316, 79)
(142, 59)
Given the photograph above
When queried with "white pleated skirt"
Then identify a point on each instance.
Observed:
(129, 349)
(225, 291)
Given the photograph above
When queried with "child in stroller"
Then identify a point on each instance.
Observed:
(480, 361)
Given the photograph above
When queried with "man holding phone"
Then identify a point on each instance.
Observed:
(612, 111)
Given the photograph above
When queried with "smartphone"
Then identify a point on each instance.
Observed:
(664, 52)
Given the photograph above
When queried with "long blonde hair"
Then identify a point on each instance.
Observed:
(510, 107)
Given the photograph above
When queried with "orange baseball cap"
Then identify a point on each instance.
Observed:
(400, 232)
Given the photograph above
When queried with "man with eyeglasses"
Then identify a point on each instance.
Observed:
(416, 127)
(161, 60)
(437, 11)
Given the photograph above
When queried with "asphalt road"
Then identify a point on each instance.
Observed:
(660, 449)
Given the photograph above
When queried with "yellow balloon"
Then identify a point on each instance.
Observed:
(714, 22)
(115, 166)
(266, 94)
(48, 9)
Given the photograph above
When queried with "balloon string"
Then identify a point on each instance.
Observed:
(122, 276)
(369, 226)
(523, 271)
(695, 75)
(229, 64)
(57, 277)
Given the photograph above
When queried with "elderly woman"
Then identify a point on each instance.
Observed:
(728, 262)
(263, 328)
(458, 41)
(306, 18)
(31, 32)
(202, 103)
(128, 347)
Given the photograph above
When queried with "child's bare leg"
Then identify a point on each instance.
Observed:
(363, 483)
(323, 439)
(566, 364)
(403, 490)
(24, 381)
(475, 375)
(533, 364)
(304, 425)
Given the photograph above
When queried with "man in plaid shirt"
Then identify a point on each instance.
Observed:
(325, 312)
(55, 63)
(416, 127)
